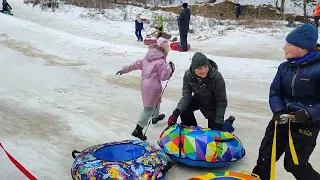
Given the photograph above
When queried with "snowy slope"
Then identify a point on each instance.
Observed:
(59, 91)
(207, 31)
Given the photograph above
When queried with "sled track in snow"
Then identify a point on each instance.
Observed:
(18, 121)
(29, 50)
(236, 103)
(263, 52)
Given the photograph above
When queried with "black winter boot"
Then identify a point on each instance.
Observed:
(230, 119)
(157, 119)
(138, 133)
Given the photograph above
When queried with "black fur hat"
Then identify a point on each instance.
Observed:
(185, 5)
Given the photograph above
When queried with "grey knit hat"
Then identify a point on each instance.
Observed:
(199, 60)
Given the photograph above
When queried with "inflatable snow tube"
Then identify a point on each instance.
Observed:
(227, 176)
(129, 159)
(177, 46)
(200, 147)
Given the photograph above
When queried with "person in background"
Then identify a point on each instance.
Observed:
(183, 23)
(160, 24)
(316, 15)
(239, 10)
(5, 6)
(139, 27)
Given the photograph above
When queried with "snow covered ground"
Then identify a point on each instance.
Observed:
(59, 91)
(235, 41)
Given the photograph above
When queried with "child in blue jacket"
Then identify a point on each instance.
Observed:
(295, 90)
(139, 27)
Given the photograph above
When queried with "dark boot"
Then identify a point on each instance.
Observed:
(230, 119)
(138, 133)
(262, 171)
(157, 119)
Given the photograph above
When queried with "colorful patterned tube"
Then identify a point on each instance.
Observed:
(227, 176)
(125, 160)
(200, 147)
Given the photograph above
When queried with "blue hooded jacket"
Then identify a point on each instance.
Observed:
(296, 86)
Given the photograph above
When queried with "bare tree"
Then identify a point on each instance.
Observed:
(282, 5)
(305, 8)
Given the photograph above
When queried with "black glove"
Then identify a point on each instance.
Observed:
(301, 116)
(173, 118)
(119, 72)
(218, 127)
(173, 67)
(276, 116)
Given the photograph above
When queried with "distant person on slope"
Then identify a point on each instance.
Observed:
(203, 89)
(295, 91)
(160, 24)
(154, 69)
(5, 6)
(316, 15)
(139, 27)
(239, 10)
(183, 23)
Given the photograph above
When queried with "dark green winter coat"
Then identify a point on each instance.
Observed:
(213, 96)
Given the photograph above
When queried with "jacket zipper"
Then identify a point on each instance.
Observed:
(293, 82)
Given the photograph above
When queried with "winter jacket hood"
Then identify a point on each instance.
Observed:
(213, 69)
(154, 54)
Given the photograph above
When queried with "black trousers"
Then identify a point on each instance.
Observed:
(184, 39)
(316, 20)
(188, 118)
(138, 34)
(304, 138)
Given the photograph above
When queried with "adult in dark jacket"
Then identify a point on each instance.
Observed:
(239, 10)
(209, 95)
(183, 23)
(5, 6)
(294, 90)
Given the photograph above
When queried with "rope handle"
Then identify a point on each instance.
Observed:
(286, 118)
(273, 153)
(283, 118)
(18, 165)
(167, 168)
(74, 152)
(180, 141)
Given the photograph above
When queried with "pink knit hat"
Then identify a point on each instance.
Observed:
(162, 42)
